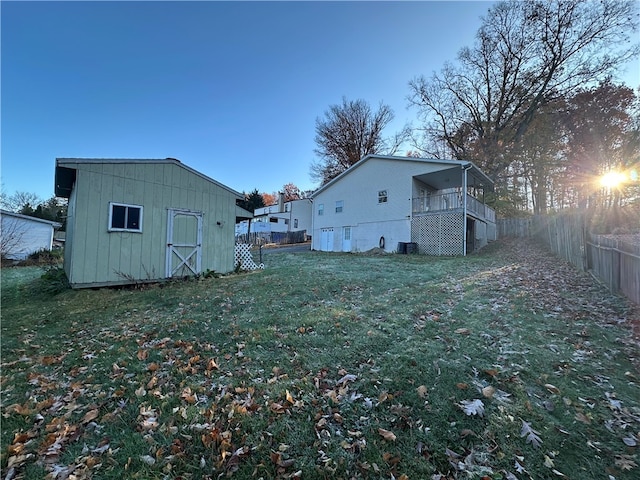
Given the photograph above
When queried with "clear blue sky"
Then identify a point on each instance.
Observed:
(232, 89)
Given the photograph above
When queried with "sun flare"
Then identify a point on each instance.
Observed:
(612, 179)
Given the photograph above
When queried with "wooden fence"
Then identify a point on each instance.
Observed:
(279, 238)
(615, 262)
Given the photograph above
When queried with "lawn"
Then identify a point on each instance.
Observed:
(507, 364)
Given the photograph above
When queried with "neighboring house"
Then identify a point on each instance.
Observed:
(22, 235)
(291, 216)
(132, 221)
(388, 202)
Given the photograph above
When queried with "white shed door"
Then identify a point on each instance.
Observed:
(326, 239)
(184, 243)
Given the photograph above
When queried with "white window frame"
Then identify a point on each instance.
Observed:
(383, 196)
(126, 216)
(339, 206)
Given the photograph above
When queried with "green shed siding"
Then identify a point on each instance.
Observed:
(96, 256)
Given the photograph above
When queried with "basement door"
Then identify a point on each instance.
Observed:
(326, 240)
(346, 239)
(184, 243)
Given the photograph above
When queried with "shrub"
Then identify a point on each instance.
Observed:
(44, 257)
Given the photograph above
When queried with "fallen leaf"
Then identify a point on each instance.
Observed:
(472, 407)
(552, 388)
(581, 417)
(488, 391)
(625, 462)
(532, 436)
(390, 458)
(422, 391)
(347, 378)
(289, 398)
(387, 435)
(90, 415)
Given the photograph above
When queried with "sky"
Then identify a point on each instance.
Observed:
(231, 89)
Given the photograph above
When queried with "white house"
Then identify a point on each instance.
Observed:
(392, 202)
(291, 216)
(23, 235)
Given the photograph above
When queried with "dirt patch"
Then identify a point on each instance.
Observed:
(375, 251)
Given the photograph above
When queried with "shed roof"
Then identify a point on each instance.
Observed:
(481, 179)
(28, 217)
(65, 172)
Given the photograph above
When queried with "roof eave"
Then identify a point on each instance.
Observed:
(67, 162)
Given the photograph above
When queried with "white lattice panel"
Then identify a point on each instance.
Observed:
(439, 234)
(244, 258)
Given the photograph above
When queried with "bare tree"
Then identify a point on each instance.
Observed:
(11, 233)
(21, 202)
(350, 131)
(527, 53)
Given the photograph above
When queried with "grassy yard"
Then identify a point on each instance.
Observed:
(503, 365)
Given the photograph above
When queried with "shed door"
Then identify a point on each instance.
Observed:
(326, 239)
(184, 243)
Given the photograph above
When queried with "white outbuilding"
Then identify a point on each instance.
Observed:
(23, 235)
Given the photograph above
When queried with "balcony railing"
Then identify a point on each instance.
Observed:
(441, 202)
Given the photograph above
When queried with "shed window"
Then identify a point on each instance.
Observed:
(382, 196)
(339, 206)
(125, 218)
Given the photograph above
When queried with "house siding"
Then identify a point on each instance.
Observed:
(98, 256)
(29, 236)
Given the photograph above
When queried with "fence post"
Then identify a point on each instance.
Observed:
(615, 269)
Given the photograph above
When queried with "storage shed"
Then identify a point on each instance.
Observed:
(134, 220)
(22, 235)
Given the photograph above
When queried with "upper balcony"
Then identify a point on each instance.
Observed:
(442, 202)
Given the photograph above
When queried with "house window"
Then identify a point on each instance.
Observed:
(125, 218)
(320, 209)
(339, 206)
(286, 221)
(382, 196)
(295, 223)
(273, 219)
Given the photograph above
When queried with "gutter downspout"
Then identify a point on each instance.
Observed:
(465, 168)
